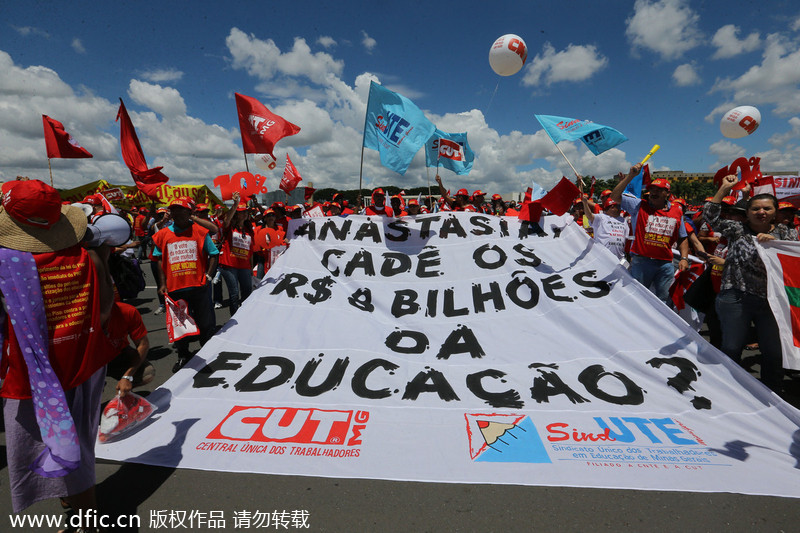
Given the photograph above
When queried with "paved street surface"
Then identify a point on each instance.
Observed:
(205, 499)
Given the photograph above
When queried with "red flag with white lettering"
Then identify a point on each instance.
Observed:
(291, 177)
(260, 127)
(450, 149)
(59, 143)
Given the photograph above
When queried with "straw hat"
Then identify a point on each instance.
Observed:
(32, 218)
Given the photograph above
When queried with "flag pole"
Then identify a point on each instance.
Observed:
(567, 160)
(51, 171)
(363, 140)
(246, 167)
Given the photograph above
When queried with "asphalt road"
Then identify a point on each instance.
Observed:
(168, 499)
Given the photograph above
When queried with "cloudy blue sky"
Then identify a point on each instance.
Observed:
(659, 71)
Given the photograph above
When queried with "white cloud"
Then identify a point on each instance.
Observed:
(25, 31)
(685, 75)
(190, 150)
(776, 81)
(575, 63)
(666, 27)
(368, 42)
(263, 59)
(77, 45)
(165, 101)
(795, 25)
(162, 75)
(728, 44)
(783, 139)
(326, 41)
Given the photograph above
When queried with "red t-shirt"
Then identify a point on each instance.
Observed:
(656, 231)
(237, 248)
(183, 257)
(78, 347)
(385, 211)
(125, 321)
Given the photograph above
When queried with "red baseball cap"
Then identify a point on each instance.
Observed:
(605, 193)
(478, 192)
(730, 200)
(32, 202)
(497, 197)
(201, 207)
(93, 199)
(183, 201)
(660, 183)
(462, 192)
(610, 203)
(785, 205)
(241, 207)
(413, 201)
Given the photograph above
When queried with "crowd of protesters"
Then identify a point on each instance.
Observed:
(194, 248)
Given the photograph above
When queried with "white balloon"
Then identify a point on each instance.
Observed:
(508, 54)
(740, 122)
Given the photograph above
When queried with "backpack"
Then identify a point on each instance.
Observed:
(127, 275)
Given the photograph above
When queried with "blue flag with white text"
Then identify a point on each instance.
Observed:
(395, 127)
(449, 150)
(596, 137)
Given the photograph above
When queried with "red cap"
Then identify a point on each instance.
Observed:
(478, 192)
(93, 199)
(497, 197)
(785, 205)
(32, 202)
(462, 192)
(609, 203)
(183, 201)
(378, 191)
(413, 201)
(241, 207)
(730, 200)
(680, 201)
(201, 207)
(660, 183)
(605, 193)
(268, 212)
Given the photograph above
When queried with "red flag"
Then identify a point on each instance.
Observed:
(683, 280)
(147, 179)
(591, 189)
(291, 177)
(59, 143)
(308, 193)
(557, 201)
(260, 127)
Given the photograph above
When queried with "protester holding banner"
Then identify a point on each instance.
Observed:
(236, 256)
(743, 292)
(130, 363)
(657, 225)
(188, 260)
(54, 350)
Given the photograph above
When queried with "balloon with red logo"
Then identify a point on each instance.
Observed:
(508, 54)
(740, 122)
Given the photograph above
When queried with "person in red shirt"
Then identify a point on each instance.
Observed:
(35, 229)
(340, 199)
(461, 200)
(188, 259)
(131, 362)
(657, 226)
(378, 207)
(397, 206)
(236, 256)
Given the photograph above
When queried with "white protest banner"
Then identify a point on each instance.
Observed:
(465, 348)
(787, 188)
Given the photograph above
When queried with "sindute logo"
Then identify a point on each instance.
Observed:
(260, 124)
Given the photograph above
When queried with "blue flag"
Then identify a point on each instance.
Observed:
(536, 191)
(449, 150)
(641, 180)
(596, 137)
(395, 127)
